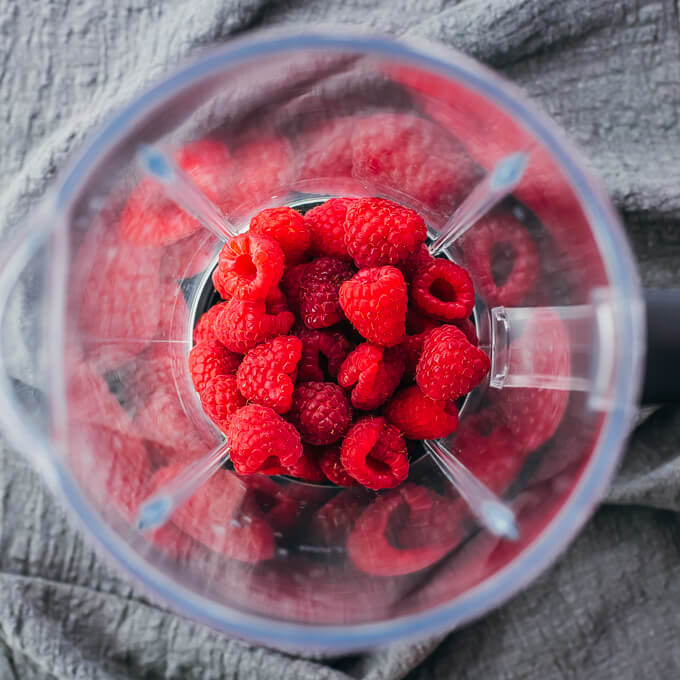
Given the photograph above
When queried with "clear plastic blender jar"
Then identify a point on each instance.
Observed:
(106, 326)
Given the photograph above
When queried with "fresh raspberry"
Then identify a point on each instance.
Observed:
(449, 365)
(380, 232)
(204, 330)
(307, 465)
(323, 352)
(326, 224)
(267, 373)
(221, 399)
(214, 516)
(534, 414)
(321, 412)
(249, 266)
(444, 290)
(398, 152)
(488, 448)
(319, 302)
(285, 226)
(418, 327)
(163, 421)
(420, 417)
(332, 467)
(375, 300)
(290, 285)
(469, 329)
(190, 256)
(262, 441)
(504, 257)
(415, 261)
(151, 218)
(374, 453)
(375, 372)
(241, 325)
(276, 301)
(404, 531)
(263, 166)
(210, 359)
(116, 296)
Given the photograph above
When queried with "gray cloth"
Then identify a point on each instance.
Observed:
(609, 72)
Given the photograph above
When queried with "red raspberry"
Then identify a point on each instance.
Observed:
(204, 330)
(488, 448)
(221, 399)
(404, 531)
(374, 453)
(319, 303)
(276, 301)
(267, 374)
(320, 412)
(323, 352)
(210, 359)
(380, 232)
(214, 517)
(326, 224)
(249, 266)
(469, 329)
(420, 417)
(412, 156)
(375, 300)
(504, 258)
(263, 167)
(262, 441)
(449, 365)
(290, 284)
(534, 414)
(332, 467)
(285, 226)
(418, 327)
(190, 256)
(150, 218)
(415, 261)
(307, 465)
(444, 290)
(241, 325)
(375, 372)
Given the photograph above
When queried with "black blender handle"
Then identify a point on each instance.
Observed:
(662, 361)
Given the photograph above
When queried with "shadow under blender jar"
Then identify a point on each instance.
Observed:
(293, 120)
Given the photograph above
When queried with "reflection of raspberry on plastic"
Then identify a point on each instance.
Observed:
(412, 156)
(405, 530)
(151, 218)
(189, 256)
(504, 258)
(534, 414)
(163, 421)
(214, 516)
(116, 295)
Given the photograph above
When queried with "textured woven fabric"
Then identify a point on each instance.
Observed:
(609, 72)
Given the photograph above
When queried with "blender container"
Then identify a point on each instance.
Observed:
(97, 324)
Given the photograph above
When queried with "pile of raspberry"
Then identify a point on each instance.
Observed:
(339, 338)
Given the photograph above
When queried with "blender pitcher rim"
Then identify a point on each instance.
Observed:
(618, 259)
